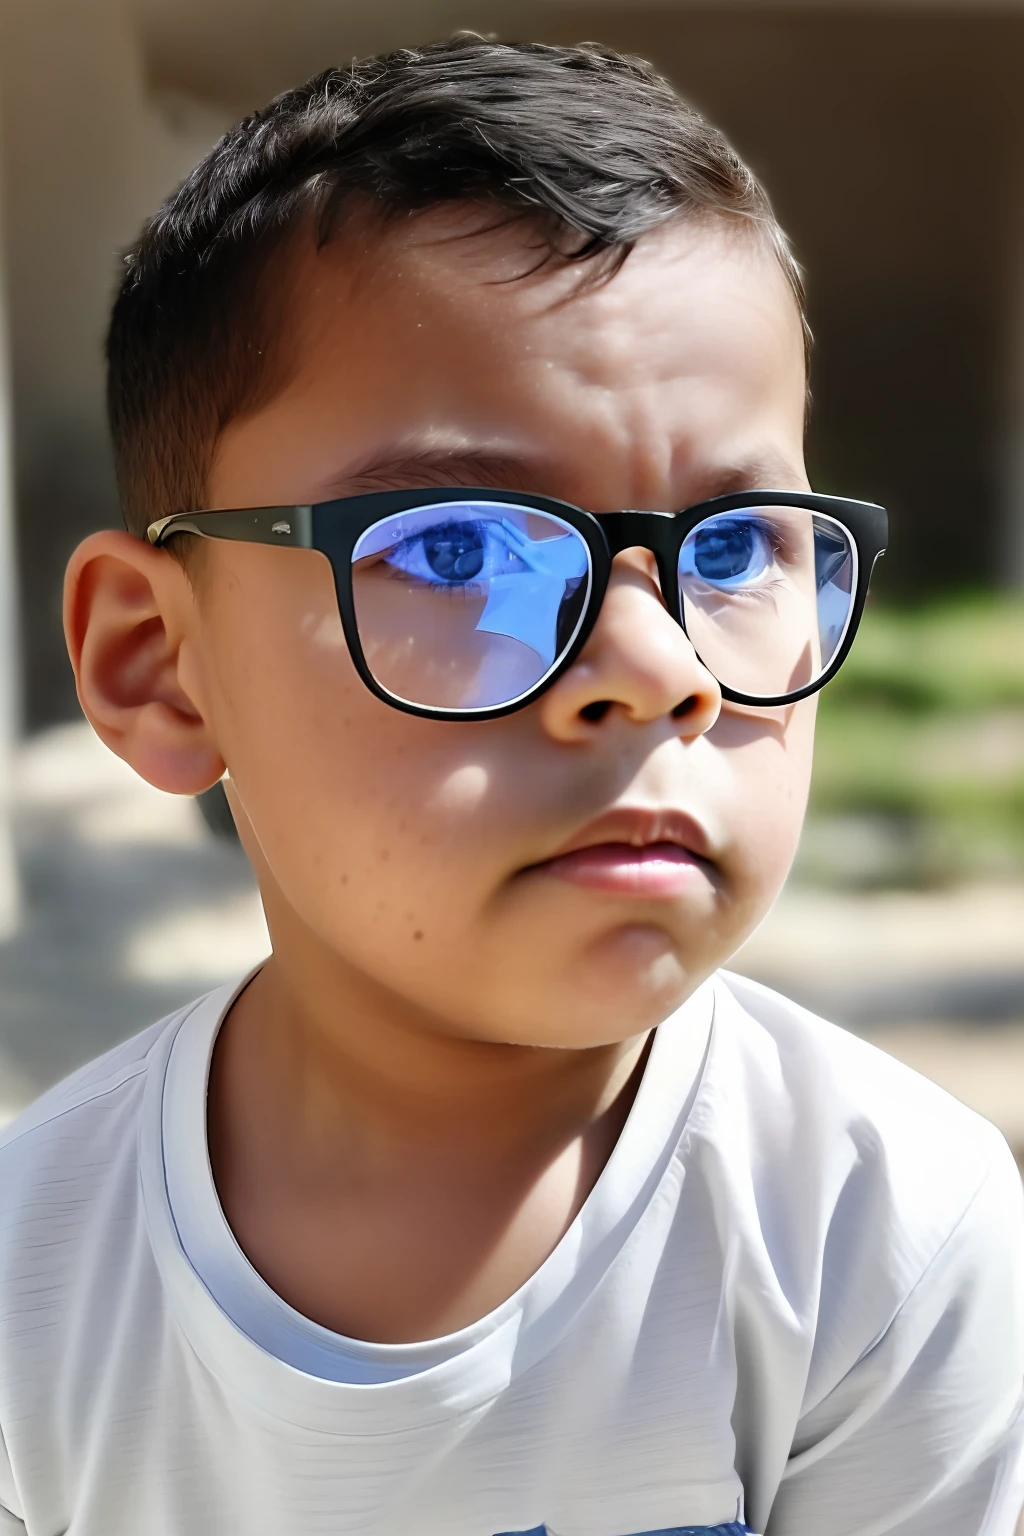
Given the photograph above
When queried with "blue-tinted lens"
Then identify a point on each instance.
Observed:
(468, 605)
(767, 596)
(731, 551)
(455, 551)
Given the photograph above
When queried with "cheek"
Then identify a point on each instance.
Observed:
(360, 812)
(772, 771)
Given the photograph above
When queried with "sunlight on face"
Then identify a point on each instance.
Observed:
(462, 792)
(398, 846)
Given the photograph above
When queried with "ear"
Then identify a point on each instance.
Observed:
(128, 612)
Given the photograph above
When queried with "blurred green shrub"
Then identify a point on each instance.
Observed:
(919, 772)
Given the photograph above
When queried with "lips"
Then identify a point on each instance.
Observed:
(638, 851)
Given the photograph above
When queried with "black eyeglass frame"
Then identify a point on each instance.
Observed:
(333, 528)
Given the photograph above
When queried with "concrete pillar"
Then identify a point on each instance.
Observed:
(86, 155)
(1010, 554)
(10, 662)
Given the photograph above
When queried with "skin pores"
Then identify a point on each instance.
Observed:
(405, 849)
(401, 854)
(424, 941)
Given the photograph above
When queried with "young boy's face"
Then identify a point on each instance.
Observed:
(423, 857)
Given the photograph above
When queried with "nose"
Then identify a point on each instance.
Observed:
(637, 665)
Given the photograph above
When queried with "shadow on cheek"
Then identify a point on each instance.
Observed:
(739, 725)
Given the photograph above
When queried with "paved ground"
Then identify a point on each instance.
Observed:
(130, 907)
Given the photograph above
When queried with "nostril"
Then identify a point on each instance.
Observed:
(685, 708)
(597, 710)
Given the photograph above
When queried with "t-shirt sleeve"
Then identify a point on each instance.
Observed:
(925, 1435)
(10, 1524)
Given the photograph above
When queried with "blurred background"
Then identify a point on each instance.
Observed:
(891, 137)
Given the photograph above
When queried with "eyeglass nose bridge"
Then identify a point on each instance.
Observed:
(632, 530)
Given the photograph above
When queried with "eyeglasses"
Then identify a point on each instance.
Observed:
(468, 603)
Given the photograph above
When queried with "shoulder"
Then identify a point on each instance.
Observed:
(103, 1093)
(76, 1262)
(831, 1089)
(812, 1091)
(853, 1172)
(83, 1089)
(78, 1138)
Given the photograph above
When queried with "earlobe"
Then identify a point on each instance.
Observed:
(126, 613)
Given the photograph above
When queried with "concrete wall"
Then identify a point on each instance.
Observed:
(893, 144)
(1012, 417)
(10, 671)
(85, 155)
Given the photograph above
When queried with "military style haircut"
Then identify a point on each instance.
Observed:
(594, 147)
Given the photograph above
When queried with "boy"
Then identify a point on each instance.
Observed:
(485, 1205)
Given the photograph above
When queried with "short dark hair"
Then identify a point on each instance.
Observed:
(585, 141)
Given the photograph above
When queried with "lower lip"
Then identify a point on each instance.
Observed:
(659, 869)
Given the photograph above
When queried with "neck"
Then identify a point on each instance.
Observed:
(355, 1142)
(336, 1068)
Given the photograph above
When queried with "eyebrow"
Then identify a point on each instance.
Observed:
(765, 471)
(441, 468)
(445, 468)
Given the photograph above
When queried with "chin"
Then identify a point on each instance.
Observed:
(631, 981)
(643, 970)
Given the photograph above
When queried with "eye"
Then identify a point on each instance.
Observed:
(458, 551)
(730, 552)
(454, 551)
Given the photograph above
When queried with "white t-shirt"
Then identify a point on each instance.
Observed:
(793, 1304)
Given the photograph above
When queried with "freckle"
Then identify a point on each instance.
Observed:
(385, 854)
(344, 879)
(418, 934)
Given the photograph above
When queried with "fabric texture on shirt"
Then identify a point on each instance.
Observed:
(793, 1304)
